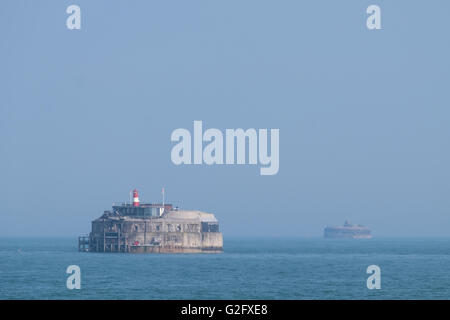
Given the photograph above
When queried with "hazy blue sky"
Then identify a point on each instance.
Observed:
(86, 115)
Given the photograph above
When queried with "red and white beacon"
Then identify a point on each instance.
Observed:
(135, 198)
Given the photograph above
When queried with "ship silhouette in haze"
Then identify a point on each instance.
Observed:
(347, 231)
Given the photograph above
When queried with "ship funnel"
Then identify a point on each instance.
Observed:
(135, 198)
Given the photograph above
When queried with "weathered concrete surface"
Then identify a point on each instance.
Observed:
(173, 232)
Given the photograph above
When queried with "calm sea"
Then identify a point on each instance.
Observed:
(248, 269)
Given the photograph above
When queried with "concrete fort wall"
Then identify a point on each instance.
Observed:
(153, 235)
(212, 241)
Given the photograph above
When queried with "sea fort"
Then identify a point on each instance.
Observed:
(153, 228)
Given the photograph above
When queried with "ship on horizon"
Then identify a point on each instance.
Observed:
(347, 231)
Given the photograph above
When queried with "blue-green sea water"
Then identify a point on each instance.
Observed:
(248, 269)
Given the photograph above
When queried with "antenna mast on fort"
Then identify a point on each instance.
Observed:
(162, 191)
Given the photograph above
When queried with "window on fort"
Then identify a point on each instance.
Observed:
(210, 227)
